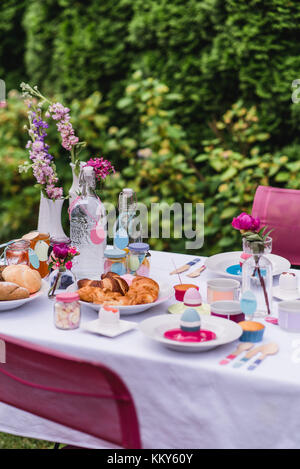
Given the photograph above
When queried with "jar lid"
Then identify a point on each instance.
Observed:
(139, 247)
(114, 253)
(67, 297)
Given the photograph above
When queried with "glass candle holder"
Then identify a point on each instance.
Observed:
(17, 253)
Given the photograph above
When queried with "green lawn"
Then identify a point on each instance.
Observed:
(17, 442)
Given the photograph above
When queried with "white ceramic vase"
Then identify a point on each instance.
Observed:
(50, 217)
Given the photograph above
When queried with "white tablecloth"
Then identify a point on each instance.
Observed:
(183, 400)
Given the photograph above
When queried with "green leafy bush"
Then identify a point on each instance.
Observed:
(152, 154)
(210, 52)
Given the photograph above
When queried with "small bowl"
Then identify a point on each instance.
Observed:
(181, 288)
(228, 310)
(252, 331)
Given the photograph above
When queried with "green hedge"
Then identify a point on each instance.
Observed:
(212, 52)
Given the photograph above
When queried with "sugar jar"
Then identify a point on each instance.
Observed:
(115, 261)
(67, 311)
(139, 259)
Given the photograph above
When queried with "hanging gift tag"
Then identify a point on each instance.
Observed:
(133, 263)
(118, 268)
(98, 234)
(248, 303)
(41, 250)
(33, 258)
(121, 239)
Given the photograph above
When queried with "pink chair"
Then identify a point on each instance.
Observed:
(82, 395)
(279, 209)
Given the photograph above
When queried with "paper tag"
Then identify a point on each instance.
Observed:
(2, 351)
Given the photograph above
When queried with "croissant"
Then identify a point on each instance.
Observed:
(111, 290)
(88, 293)
(84, 282)
(145, 282)
(115, 284)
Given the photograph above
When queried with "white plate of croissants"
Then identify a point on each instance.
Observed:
(19, 284)
(131, 294)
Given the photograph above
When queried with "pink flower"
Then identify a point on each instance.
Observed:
(72, 250)
(101, 167)
(69, 265)
(246, 222)
(57, 264)
(60, 250)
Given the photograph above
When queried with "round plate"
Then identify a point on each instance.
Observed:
(165, 293)
(220, 262)
(284, 295)
(13, 304)
(225, 330)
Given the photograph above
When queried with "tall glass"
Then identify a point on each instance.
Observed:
(257, 275)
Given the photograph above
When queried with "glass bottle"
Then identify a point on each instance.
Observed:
(88, 229)
(127, 228)
(257, 275)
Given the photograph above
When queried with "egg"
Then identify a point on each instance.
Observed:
(192, 297)
(190, 320)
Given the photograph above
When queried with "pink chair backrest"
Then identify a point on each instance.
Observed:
(82, 395)
(279, 209)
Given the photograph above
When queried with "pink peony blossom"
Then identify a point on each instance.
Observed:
(246, 222)
(60, 250)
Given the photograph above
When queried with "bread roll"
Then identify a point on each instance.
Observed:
(23, 276)
(12, 291)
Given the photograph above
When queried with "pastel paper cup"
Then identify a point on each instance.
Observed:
(220, 289)
(227, 309)
(181, 288)
(289, 315)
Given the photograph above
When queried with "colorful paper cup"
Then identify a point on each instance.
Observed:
(252, 331)
(181, 288)
(227, 309)
(289, 315)
(220, 289)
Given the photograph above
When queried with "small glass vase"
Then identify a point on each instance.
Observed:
(59, 280)
(257, 275)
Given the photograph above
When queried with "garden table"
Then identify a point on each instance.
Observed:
(183, 400)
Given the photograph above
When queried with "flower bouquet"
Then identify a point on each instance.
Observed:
(257, 269)
(61, 261)
(42, 162)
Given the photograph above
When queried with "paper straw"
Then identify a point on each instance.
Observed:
(177, 272)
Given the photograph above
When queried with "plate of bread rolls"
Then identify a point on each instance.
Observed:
(19, 284)
(130, 294)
